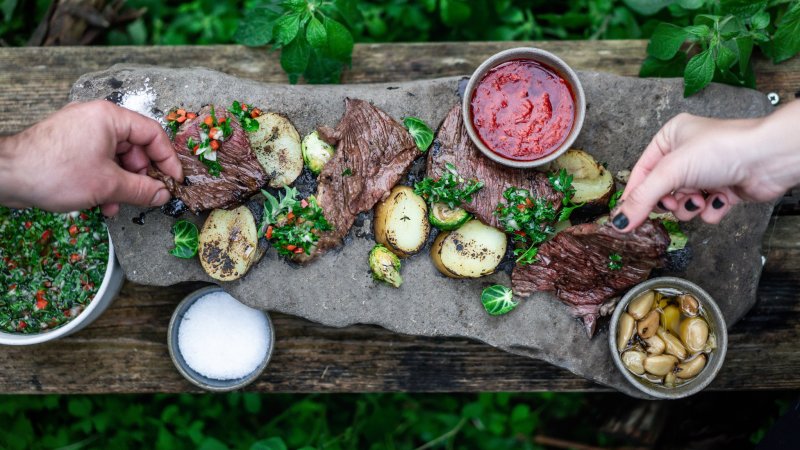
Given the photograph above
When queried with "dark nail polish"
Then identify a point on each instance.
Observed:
(717, 203)
(690, 206)
(620, 221)
(661, 206)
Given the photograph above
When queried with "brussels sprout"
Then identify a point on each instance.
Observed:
(385, 265)
(316, 152)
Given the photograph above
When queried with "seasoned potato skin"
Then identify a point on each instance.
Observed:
(402, 211)
(228, 243)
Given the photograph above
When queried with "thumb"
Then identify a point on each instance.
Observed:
(637, 204)
(139, 190)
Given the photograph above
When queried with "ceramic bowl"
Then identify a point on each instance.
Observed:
(106, 293)
(199, 380)
(716, 323)
(548, 59)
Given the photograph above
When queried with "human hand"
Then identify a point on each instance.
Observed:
(697, 166)
(85, 155)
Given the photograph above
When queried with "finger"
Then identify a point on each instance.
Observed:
(641, 200)
(668, 203)
(139, 190)
(110, 209)
(719, 204)
(689, 206)
(659, 146)
(146, 133)
(135, 159)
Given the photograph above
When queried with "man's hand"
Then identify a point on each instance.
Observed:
(85, 155)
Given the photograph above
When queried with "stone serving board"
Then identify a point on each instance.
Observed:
(622, 115)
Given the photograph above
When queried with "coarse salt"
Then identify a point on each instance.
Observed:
(142, 100)
(223, 339)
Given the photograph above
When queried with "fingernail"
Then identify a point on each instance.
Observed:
(717, 203)
(661, 205)
(161, 197)
(620, 221)
(690, 206)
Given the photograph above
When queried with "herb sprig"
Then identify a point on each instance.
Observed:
(561, 181)
(615, 261)
(246, 114)
(292, 224)
(451, 188)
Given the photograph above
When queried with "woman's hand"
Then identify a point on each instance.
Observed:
(85, 155)
(697, 166)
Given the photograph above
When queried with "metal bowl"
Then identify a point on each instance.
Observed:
(199, 380)
(716, 324)
(106, 293)
(553, 62)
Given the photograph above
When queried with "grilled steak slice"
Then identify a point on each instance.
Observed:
(241, 174)
(575, 264)
(453, 145)
(373, 152)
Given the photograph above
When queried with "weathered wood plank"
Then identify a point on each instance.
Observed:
(125, 350)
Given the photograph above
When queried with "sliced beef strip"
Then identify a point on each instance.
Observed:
(453, 145)
(575, 265)
(373, 152)
(241, 174)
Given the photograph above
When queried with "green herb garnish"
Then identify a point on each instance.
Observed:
(562, 182)
(347, 172)
(527, 219)
(422, 134)
(612, 202)
(615, 261)
(292, 225)
(677, 238)
(185, 238)
(450, 189)
(498, 300)
(246, 115)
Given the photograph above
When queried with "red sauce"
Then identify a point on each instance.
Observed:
(523, 110)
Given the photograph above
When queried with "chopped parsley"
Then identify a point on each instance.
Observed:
(347, 172)
(292, 225)
(612, 202)
(51, 266)
(450, 189)
(615, 261)
(246, 115)
(562, 182)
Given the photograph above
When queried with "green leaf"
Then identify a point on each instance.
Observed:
(255, 28)
(349, 11)
(648, 7)
(698, 32)
(760, 20)
(691, 4)
(316, 35)
(419, 130)
(498, 300)
(286, 29)
(654, 67)
(210, 443)
(726, 57)
(454, 12)
(612, 202)
(666, 41)
(294, 58)
(745, 45)
(273, 443)
(786, 40)
(185, 238)
(744, 8)
(322, 69)
(79, 406)
(699, 72)
(340, 41)
(296, 6)
(7, 8)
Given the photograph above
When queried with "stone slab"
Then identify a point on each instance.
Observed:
(337, 290)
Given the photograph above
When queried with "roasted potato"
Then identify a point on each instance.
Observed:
(228, 243)
(592, 182)
(401, 222)
(472, 251)
(276, 144)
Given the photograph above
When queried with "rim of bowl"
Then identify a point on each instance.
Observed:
(715, 359)
(553, 62)
(37, 338)
(191, 375)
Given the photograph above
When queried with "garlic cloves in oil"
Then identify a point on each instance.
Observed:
(648, 325)
(625, 331)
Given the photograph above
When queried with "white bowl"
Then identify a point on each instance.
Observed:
(109, 288)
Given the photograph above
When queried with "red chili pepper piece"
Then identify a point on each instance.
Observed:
(269, 232)
(298, 250)
(73, 241)
(208, 121)
(45, 236)
(83, 216)
(304, 203)
(291, 247)
(28, 225)
(73, 258)
(191, 115)
(290, 216)
(41, 302)
(22, 325)
(73, 230)
(214, 145)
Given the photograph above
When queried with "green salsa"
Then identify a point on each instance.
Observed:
(51, 266)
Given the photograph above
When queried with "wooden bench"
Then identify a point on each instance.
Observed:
(125, 350)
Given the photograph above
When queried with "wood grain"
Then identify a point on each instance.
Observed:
(125, 350)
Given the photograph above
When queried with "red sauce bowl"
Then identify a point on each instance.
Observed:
(523, 107)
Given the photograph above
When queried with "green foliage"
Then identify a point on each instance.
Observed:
(281, 422)
(722, 35)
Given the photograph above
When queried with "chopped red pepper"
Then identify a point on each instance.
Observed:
(290, 216)
(41, 302)
(214, 145)
(73, 230)
(521, 207)
(12, 287)
(222, 120)
(244, 106)
(298, 250)
(528, 202)
(28, 225)
(73, 258)
(83, 216)
(191, 115)
(520, 233)
(304, 203)
(22, 325)
(208, 121)
(73, 241)
(255, 113)
(291, 247)
(172, 116)
(45, 237)
(181, 119)
(269, 232)
(181, 112)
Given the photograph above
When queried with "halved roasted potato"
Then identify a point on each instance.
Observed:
(472, 251)
(401, 222)
(592, 182)
(228, 243)
(276, 144)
